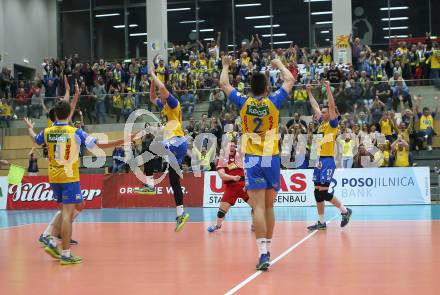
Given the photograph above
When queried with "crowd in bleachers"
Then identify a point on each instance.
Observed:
(377, 112)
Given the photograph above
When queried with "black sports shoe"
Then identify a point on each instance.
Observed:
(317, 226)
(346, 217)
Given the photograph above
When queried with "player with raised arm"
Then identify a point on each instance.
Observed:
(325, 168)
(259, 114)
(175, 142)
(63, 142)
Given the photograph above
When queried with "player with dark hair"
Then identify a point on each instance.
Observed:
(175, 142)
(325, 168)
(260, 118)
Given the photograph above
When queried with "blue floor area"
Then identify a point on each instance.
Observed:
(360, 213)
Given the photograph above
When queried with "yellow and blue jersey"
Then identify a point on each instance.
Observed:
(63, 144)
(328, 130)
(173, 114)
(260, 117)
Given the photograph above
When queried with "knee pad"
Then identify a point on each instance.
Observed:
(221, 213)
(318, 196)
(327, 196)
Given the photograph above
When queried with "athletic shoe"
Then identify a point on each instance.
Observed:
(181, 220)
(317, 226)
(146, 190)
(263, 264)
(213, 228)
(44, 240)
(52, 251)
(72, 242)
(64, 260)
(346, 217)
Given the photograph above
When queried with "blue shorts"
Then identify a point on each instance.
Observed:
(178, 145)
(324, 170)
(67, 193)
(264, 173)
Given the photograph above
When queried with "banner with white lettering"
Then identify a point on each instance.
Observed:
(35, 193)
(366, 186)
(3, 192)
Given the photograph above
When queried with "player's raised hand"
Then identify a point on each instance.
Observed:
(28, 122)
(226, 61)
(326, 84)
(276, 63)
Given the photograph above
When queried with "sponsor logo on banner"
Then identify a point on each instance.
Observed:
(119, 192)
(35, 193)
(366, 186)
(296, 189)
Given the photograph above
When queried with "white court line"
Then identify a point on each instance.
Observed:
(284, 254)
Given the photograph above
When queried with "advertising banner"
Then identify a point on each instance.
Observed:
(118, 192)
(366, 186)
(35, 193)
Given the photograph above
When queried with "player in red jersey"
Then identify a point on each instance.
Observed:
(230, 169)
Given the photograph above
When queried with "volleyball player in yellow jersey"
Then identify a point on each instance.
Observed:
(260, 115)
(325, 168)
(175, 142)
(63, 142)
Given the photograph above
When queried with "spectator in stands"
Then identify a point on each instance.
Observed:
(401, 157)
(377, 110)
(6, 112)
(50, 86)
(118, 104)
(21, 103)
(296, 120)
(361, 117)
(387, 126)
(187, 102)
(401, 91)
(354, 92)
(203, 125)
(347, 145)
(119, 74)
(118, 156)
(36, 109)
(129, 106)
(33, 164)
(216, 99)
(141, 95)
(300, 98)
(363, 157)
(6, 82)
(426, 118)
(383, 91)
(435, 64)
(99, 95)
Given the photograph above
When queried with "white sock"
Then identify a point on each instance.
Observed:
(343, 209)
(268, 244)
(179, 210)
(321, 218)
(150, 181)
(261, 244)
(48, 230)
(66, 253)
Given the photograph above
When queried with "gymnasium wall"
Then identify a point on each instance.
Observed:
(28, 30)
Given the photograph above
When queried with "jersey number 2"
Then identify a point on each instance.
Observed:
(258, 122)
